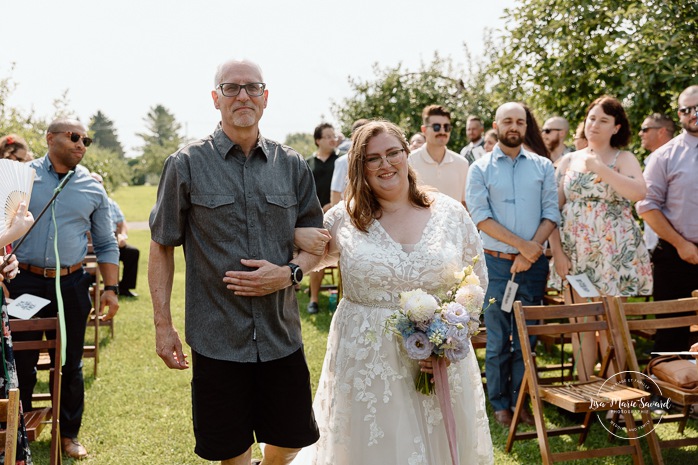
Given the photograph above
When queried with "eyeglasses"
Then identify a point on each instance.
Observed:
(374, 162)
(74, 137)
(549, 130)
(688, 110)
(647, 128)
(437, 127)
(253, 89)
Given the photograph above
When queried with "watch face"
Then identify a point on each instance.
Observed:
(296, 273)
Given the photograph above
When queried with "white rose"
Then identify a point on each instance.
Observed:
(472, 279)
(418, 305)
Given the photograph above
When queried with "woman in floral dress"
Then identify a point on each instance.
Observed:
(596, 188)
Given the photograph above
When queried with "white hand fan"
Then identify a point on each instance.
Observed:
(16, 182)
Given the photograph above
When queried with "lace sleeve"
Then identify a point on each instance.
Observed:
(333, 219)
(472, 247)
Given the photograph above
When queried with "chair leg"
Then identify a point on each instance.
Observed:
(652, 439)
(685, 412)
(586, 424)
(520, 402)
(632, 434)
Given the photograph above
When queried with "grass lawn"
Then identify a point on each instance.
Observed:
(139, 412)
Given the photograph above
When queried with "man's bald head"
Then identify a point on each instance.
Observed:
(510, 109)
(64, 125)
(223, 67)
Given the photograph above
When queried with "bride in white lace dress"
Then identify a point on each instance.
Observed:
(366, 406)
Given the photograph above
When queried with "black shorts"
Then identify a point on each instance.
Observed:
(233, 403)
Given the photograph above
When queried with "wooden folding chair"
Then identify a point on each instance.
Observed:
(588, 397)
(9, 414)
(641, 316)
(36, 419)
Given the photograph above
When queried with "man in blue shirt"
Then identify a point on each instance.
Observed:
(81, 207)
(512, 197)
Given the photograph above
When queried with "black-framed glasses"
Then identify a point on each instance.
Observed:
(688, 110)
(253, 89)
(644, 129)
(74, 137)
(374, 162)
(437, 127)
(549, 130)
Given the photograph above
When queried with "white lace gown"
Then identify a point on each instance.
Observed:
(366, 406)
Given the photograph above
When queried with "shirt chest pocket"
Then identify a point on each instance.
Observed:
(214, 213)
(281, 214)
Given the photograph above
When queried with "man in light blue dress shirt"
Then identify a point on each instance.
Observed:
(81, 207)
(512, 198)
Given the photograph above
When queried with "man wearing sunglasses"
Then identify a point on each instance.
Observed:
(656, 130)
(671, 210)
(435, 165)
(81, 207)
(554, 133)
(235, 198)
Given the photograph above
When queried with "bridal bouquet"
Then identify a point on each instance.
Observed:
(439, 326)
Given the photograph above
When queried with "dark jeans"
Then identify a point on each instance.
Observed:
(673, 279)
(504, 364)
(128, 255)
(76, 305)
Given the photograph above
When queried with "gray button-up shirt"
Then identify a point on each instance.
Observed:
(223, 207)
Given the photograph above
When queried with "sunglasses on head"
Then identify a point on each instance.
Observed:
(437, 127)
(687, 110)
(74, 137)
(549, 130)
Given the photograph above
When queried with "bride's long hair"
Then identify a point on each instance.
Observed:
(361, 203)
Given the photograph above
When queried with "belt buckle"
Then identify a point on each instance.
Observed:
(49, 270)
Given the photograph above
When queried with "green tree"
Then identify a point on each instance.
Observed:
(161, 140)
(399, 95)
(301, 142)
(23, 123)
(104, 133)
(559, 56)
(110, 165)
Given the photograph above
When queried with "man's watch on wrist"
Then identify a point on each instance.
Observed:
(296, 273)
(114, 289)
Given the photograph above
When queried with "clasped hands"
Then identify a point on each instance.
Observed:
(529, 253)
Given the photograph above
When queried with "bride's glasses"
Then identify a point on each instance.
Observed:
(374, 162)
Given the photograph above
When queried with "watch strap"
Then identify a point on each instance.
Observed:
(114, 289)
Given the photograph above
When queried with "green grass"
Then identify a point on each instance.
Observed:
(139, 412)
(135, 201)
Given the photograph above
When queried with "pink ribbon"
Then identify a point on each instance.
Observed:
(444, 394)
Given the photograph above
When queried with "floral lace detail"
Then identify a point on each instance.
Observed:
(367, 407)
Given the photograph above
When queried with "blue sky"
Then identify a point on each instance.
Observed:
(124, 57)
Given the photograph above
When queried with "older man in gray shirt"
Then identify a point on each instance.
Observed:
(233, 200)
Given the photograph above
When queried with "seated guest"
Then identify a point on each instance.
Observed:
(128, 254)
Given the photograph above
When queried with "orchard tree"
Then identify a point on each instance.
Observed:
(559, 56)
(399, 95)
(104, 133)
(23, 123)
(161, 140)
(109, 164)
(302, 143)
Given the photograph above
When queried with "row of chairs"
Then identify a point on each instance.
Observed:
(620, 380)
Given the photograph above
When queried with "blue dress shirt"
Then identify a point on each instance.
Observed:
(81, 206)
(518, 194)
